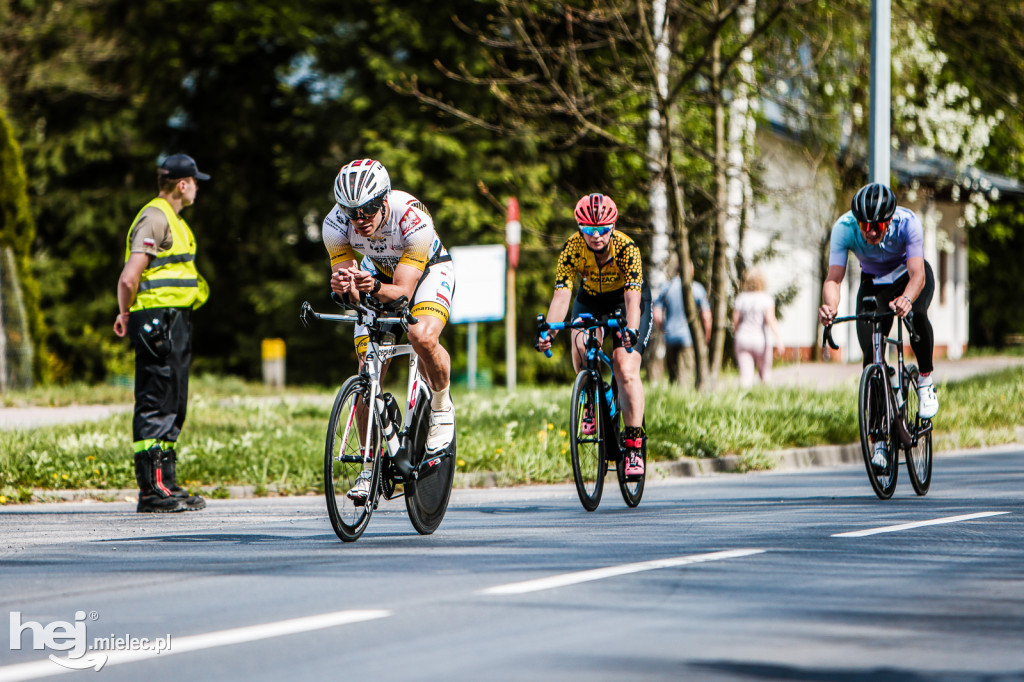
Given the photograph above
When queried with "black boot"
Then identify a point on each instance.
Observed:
(168, 464)
(153, 495)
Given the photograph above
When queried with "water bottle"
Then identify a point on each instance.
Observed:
(387, 407)
(610, 399)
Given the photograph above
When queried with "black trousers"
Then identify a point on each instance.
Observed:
(161, 384)
(924, 347)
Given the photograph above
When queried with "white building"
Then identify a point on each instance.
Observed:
(798, 210)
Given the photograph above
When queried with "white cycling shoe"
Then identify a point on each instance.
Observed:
(927, 402)
(880, 456)
(442, 429)
(360, 491)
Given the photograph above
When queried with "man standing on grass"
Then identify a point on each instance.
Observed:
(158, 288)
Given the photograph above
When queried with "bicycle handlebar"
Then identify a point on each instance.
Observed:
(583, 322)
(873, 315)
(368, 311)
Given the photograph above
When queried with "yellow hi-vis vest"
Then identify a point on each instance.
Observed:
(171, 280)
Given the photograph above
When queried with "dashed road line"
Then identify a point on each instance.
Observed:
(566, 579)
(917, 524)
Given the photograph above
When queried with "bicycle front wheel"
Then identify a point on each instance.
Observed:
(426, 499)
(586, 431)
(919, 457)
(347, 455)
(876, 426)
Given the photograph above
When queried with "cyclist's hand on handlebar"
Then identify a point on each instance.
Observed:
(901, 305)
(628, 337)
(826, 314)
(543, 341)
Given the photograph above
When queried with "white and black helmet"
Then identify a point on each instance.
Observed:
(874, 203)
(362, 183)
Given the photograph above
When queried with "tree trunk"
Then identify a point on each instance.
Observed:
(658, 198)
(720, 286)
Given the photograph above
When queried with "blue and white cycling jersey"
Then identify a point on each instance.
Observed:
(886, 261)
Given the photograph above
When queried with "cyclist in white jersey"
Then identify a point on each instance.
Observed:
(888, 241)
(402, 256)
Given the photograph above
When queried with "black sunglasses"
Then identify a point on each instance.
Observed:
(366, 211)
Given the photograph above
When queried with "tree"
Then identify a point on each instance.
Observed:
(16, 235)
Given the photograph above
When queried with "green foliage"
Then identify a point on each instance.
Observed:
(17, 232)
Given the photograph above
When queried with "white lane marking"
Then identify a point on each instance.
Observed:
(209, 640)
(612, 571)
(917, 524)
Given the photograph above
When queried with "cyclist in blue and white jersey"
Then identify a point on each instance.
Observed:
(888, 240)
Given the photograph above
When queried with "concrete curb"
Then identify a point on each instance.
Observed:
(687, 467)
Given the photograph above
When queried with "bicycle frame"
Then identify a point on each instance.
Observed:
(379, 353)
(593, 356)
(896, 412)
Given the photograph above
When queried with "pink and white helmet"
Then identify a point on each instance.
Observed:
(361, 182)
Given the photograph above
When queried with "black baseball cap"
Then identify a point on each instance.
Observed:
(181, 166)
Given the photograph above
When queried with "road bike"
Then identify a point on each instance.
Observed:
(596, 422)
(368, 432)
(887, 406)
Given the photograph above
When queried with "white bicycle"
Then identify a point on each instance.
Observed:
(367, 431)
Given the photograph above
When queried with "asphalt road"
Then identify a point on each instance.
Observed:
(727, 577)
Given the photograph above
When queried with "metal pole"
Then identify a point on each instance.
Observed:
(513, 232)
(471, 361)
(878, 158)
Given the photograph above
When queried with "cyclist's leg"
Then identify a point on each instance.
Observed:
(578, 338)
(432, 306)
(627, 365)
(883, 294)
(924, 347)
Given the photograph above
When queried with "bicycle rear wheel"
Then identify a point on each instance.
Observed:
(586, 432)
(919, 457)
(426, 499)
(876, 425)
(346, 456)
(632, 489)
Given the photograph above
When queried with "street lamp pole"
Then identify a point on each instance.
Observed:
(878, 157)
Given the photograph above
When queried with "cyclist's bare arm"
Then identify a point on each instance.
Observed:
(830, 293)
(405, 280)
(557, 311)
(902, 304)
(632, 299)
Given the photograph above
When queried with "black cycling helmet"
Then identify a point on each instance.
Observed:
(874, 203)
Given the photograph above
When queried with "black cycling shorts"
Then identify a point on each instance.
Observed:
(608, 305)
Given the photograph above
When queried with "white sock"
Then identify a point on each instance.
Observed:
(441, 400)
(925, 380)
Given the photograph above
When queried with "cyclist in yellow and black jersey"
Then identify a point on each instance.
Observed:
(611, 272)
(602, 281)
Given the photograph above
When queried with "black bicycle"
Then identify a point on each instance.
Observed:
(367, 432)
(887, 406)
(596, 422)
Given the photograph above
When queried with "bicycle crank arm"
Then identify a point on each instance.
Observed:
(429, 467)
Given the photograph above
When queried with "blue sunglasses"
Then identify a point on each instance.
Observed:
(595, 230)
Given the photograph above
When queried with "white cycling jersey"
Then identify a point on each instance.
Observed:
(406, 237)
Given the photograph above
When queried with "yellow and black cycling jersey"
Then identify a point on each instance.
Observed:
(623, 270)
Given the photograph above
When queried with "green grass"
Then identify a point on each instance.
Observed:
(233, 438)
